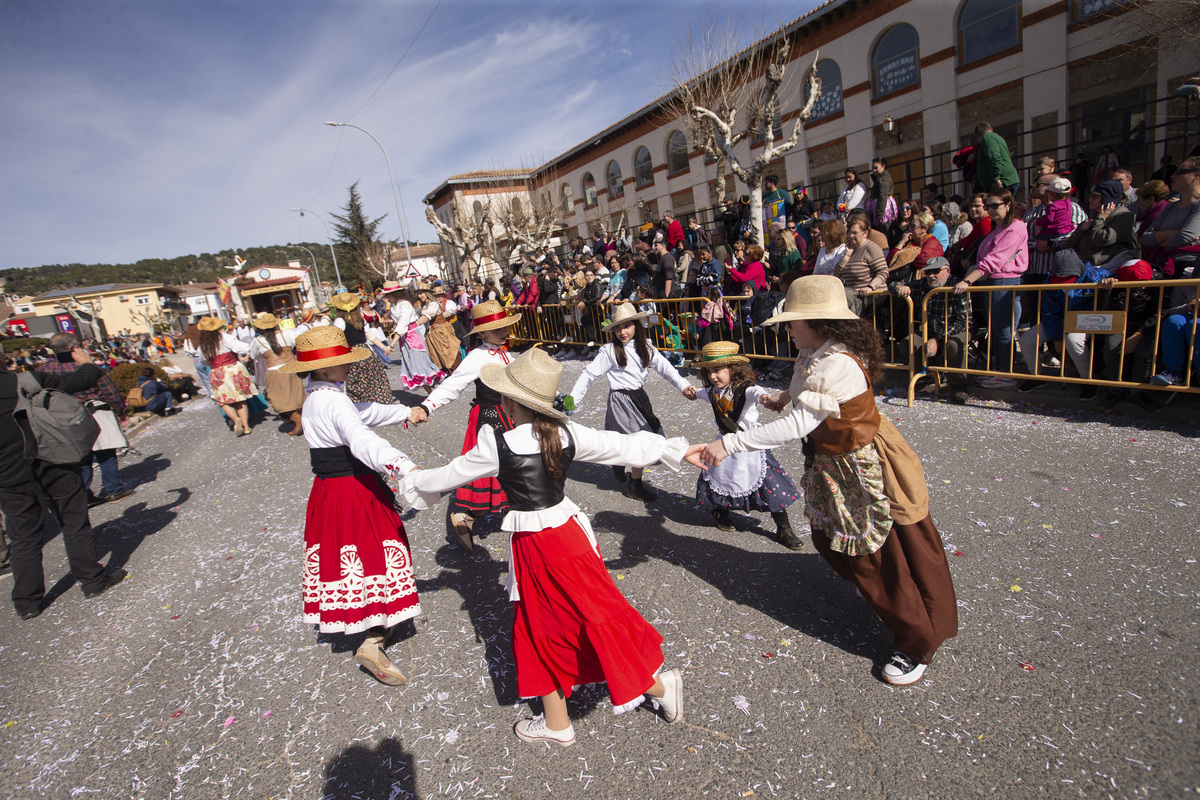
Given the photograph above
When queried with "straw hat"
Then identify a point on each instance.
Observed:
(439, 290)
(814, 297)
(531, 379)
(626, 312)
(392, 286)
(210, 324)
(490, 315)
(423, 287)
(345, 301)
(720, 354)
(265, 321)
(323, 347)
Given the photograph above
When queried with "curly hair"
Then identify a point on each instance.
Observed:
(860, 338)
(738, 374)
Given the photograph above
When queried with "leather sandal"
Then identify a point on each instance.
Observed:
(371, 656)
(463, 524)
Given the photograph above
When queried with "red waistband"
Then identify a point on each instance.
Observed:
(222, 360)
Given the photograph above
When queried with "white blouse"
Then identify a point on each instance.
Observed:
(423, 488)
(449, 390)
(404, 315)
(374, 335)
(823, 379)
(853, 197)
(632, 376)
(260, 346)
(331, 419)
(827, 260)
(231, 344)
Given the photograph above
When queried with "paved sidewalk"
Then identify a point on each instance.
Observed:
(1072, 540)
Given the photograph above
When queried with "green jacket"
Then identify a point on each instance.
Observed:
(993, 163)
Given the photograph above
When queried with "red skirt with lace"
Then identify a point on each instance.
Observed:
(572, 625)
(358, 572)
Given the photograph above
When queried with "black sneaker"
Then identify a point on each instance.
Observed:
(31, 613)
(110, 580)
(1110, 400)
(619, 474)
(638, 491)
(94, 501)
(959, 397)
(1030, 386)
(724, 523)
(900, 670)
(1089, 392)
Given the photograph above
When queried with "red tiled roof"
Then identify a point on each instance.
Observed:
(490, 173)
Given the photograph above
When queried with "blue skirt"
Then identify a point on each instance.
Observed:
(776, 493)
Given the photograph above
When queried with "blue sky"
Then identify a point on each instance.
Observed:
(156, 128)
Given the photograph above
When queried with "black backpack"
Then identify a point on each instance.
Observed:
(762, 307)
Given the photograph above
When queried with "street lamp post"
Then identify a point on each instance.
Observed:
(330, 238)
(317, 291)
(391, 178)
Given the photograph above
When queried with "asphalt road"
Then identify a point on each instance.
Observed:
(1073, 542)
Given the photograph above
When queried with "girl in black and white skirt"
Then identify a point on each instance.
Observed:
(626, 361)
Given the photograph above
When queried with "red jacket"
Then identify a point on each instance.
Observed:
(754, 273)
(674, 234)
(528, 295)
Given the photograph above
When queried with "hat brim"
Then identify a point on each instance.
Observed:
(263, 326)
(631, 318)
(831, 313)
(723, 361)
(497, 323)
(495, 376)
(355, 355)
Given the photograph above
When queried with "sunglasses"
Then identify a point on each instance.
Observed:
(994, 206)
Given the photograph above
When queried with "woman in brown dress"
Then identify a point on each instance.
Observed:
(284, 390)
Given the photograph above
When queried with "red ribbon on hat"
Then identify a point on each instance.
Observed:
(322, 352)
(491, 318)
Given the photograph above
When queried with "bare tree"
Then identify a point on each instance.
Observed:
(529, 221)
(469, 235)
(377, 258)
(730, 96)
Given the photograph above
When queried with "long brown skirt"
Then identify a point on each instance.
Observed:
(284, 391)
(907, 582)
(443, 346)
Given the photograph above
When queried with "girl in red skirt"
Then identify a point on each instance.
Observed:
(358, 573)
(484, 496)
(571, 624)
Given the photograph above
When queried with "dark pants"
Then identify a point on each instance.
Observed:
(110, 479)
(25, 518)
(160, 402)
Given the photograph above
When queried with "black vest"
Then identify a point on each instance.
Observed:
(336, 462)
(355, 336)
(524, 480)
(485, 395)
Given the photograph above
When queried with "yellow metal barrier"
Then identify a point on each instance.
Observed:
(1077, 347)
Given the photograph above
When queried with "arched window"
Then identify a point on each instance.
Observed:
(589, 190)
(643, 167)
(986, 27)
(568, 202)
(895, 63)
(477, 209)
(612, 179)
(830, 101)
(677, 153)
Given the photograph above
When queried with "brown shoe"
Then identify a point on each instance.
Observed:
(371, 656)
(297, 424)
(463, 523)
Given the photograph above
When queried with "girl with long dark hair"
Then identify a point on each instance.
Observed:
(230, 383)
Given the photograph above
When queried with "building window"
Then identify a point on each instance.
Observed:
(895, 64)
(477, 210)
(612, 179)
(830, 101)
(677, 153)
(142, 301)
(1084, 9)
(589, 190)
(986, 27)
(568, 202)
(643, 167)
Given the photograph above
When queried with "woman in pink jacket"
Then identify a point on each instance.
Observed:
(1003, 256)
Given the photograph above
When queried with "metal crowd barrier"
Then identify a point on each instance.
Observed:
(1097, 319)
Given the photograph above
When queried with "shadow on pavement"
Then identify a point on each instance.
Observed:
(797, 589)
(362, 771)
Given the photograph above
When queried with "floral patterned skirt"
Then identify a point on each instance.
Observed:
(368, 382)
(231, 384)
(358, 572)
(775, 494)
(844, 496)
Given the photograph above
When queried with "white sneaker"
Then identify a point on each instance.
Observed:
(535, 730)
(671, 703)
(900, 670)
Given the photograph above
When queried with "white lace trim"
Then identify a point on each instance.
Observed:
(755, 455)
(358, 591)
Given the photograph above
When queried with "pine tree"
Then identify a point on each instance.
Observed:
(358, 235)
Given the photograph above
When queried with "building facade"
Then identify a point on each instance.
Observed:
(909, 80)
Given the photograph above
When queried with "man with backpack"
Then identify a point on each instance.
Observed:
(31, 485)
(104, 400)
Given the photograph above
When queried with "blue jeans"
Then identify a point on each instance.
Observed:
(110, 481)
(1176, 335)
(162, 401)
(1000, 323)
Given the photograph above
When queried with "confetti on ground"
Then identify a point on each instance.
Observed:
(741, 704)
(1025, 666)
(1015, 588)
